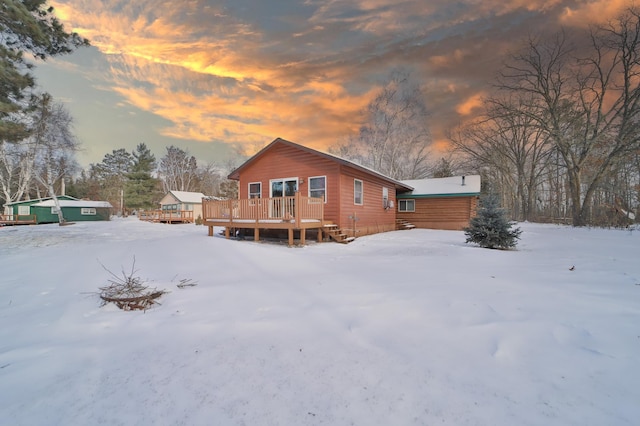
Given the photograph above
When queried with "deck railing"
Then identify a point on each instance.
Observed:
(17, 218)
(296, 209)
(166, 215)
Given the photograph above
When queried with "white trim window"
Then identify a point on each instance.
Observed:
(385, 197)
(358, 192)
(255, 189)
(406, 205)
(24, 210)
(88, 211)
(318, 187)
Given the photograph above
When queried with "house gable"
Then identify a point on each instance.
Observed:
(235, 175)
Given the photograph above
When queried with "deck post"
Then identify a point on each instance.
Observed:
(226, 232)
(297, 209)
(303, 236)
(319, 235)
(211, 231)
(256, 234)
(290, 236)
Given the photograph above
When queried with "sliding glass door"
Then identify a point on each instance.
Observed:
(280, 207)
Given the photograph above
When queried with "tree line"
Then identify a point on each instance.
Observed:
(558, 139)
(137, 181)
(36, 139)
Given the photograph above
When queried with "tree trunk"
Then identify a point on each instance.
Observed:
(52, 192)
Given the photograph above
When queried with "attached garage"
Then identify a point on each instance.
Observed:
(441, 203)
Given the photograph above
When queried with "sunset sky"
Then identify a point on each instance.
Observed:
(204, 74)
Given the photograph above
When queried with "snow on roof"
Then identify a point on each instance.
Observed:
(445, 186)
(74, 203)
(188, 197)
(36, 200)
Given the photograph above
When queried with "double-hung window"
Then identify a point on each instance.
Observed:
(318, 187)
(358, 192)
(255, 190)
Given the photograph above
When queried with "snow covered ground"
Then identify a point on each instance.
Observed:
(402, 328)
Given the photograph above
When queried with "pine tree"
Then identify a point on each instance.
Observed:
(491, 228)
(26, 27)
(142, 190)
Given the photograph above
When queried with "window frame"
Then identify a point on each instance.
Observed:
(355, 192)
(385, 197)
(88, 211)
(324, 188)
(405, 201)
(259, 193)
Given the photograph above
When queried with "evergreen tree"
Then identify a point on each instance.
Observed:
(443, 169)
(26, 27)
(142, 190)
(111, 174)
(491, 228)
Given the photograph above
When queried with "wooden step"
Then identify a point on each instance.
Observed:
(404, 224)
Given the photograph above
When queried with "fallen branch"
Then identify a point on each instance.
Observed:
(129, 292)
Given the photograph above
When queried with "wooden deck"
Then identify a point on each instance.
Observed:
(167, 216)
(290, 213)
(18, 219)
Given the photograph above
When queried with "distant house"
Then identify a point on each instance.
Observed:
(442, 203)
(182, 204)
(44, 210)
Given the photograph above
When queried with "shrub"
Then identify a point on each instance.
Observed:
(491, 228)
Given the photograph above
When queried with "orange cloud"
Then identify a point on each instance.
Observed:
(471, 103)
(598, 11)
(215, 77)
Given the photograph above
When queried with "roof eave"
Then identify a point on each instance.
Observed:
(235, 175)
(445, 195)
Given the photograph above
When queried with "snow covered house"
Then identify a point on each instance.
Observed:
(181, 206)
(286, 186)
(441, 203)
(43, 210)
(291, 187)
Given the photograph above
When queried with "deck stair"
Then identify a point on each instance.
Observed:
(336, 234)
(403, 224)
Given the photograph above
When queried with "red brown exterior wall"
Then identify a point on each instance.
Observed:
(284, 161)
(371, 216)
(451, 213)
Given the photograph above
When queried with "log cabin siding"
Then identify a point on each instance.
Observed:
(451, 213)
(283, 161)
(372, 217)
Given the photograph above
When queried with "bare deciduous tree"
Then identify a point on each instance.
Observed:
(178, 170)
(509, 142)
(55, 144)
(394, 139)
(588, 103)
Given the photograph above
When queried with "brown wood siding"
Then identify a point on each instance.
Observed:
(283, 161)
(451, 213)
(372, 216)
